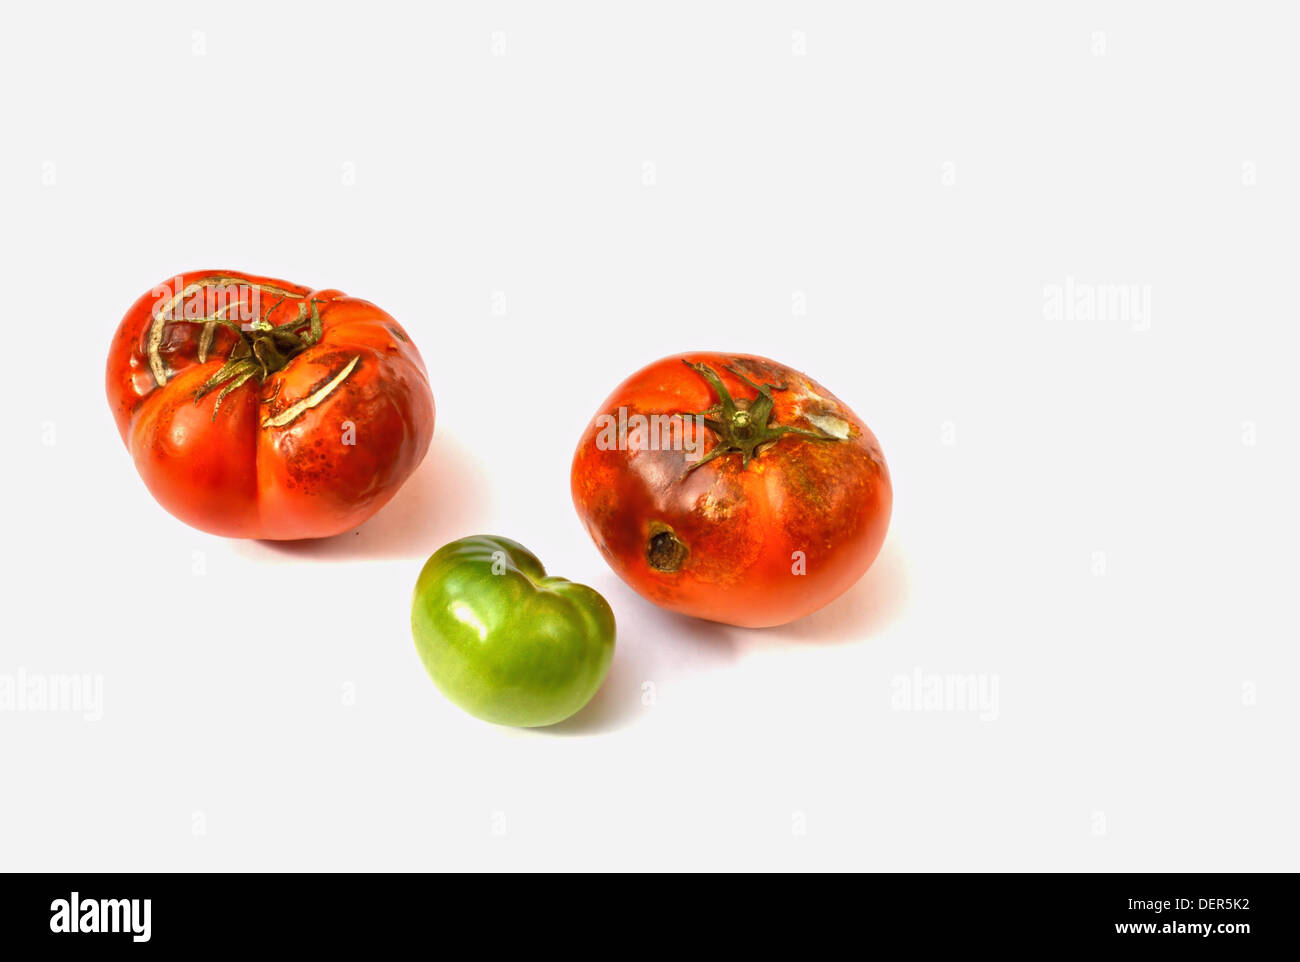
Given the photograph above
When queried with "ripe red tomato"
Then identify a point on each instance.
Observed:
(732, 488)
(255, 408)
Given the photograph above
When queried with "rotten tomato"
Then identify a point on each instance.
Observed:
(732, 488)
(256, 408)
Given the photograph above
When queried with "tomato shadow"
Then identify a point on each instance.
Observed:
(862, 612)
(446, 493)
(653, 648)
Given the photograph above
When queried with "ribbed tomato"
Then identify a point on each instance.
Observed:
(732, 488)
(256, 408)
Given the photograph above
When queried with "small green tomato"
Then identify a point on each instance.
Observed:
(505, 641)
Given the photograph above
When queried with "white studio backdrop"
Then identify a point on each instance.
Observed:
(1046, 251)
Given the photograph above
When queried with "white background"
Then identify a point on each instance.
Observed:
(1098, 515)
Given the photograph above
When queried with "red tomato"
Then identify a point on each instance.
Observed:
(255, 408)
(732, 488)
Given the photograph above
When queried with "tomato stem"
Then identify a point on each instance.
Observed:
(742, 425)
(257, 352)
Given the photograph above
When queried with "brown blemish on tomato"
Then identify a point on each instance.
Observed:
(307, 464)
(664, 551)
(725, 496)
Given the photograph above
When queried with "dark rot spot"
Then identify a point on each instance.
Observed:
(664, 551)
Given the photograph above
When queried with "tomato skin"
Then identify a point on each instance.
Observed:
(505, 641)
(227, 471)
(740, 534)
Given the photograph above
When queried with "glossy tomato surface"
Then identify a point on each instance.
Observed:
(733, 488)
(504, 640)
(256, 408)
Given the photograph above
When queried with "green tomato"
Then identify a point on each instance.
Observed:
(505, 641)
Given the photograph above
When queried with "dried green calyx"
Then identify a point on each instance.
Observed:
(260, 349)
